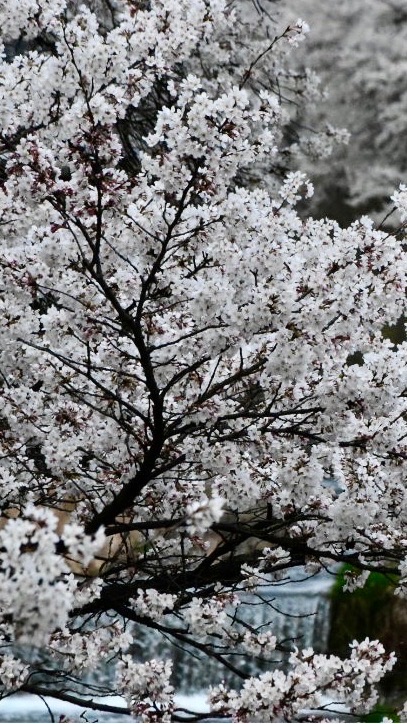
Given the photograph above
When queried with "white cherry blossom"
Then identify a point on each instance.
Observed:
(196, 391)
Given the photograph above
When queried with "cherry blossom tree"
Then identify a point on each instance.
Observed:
(185, 363)
(358, 51)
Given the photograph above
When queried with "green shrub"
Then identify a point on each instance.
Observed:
(374, 612)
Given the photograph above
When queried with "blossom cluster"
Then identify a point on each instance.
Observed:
(276, 696)
(30, 563)
(147, 688)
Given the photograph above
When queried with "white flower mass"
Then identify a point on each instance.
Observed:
(186, 357)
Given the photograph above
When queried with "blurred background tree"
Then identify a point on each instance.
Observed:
(357, 48)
